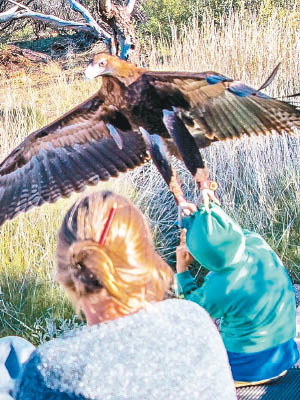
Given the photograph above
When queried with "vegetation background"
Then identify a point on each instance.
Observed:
(259, 177)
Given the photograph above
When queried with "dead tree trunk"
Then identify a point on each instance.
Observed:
(119, 19)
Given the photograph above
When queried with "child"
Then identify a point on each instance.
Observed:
(248, 288)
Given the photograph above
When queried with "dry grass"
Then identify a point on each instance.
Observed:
(259, 178)
(244, 46)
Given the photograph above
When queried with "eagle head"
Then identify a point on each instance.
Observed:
(105, 64)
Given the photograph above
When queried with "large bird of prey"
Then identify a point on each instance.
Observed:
(129, 117)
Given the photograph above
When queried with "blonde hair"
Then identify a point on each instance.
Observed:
(126, 268)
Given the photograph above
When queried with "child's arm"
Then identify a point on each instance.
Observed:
(183, 257)
(186, 285)
(183, 260)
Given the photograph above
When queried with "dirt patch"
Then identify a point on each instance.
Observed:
(14, 60)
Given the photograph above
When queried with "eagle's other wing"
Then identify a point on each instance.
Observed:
(75, 150)
(218, 107)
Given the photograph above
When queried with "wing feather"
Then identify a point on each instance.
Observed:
(224, 122)
(14, 193)
(61, 176)
(52, 173)
(237, 119)
(237, 109)
(94, 153)
(113, 164)
(41, 171)
(66, 168)
(124, 162)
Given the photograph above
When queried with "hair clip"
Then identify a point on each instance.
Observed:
(107, 224)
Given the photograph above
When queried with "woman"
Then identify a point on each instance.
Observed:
(136, 345)
(248, 288)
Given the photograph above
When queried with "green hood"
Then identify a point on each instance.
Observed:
(205, 239)
(248, 288)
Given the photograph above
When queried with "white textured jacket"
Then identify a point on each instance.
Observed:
(171, 350)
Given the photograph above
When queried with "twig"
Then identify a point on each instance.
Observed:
(130, 6)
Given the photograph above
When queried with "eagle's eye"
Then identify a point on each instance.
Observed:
(102, 63)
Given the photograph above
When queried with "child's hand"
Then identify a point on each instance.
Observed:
(183, 257)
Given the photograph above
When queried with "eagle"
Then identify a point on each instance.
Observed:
(137, 114)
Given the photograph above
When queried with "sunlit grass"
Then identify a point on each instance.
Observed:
(259, 178)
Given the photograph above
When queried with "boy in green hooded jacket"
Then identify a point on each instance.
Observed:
(248, 288)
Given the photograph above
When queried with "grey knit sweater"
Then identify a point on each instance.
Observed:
(172, 350)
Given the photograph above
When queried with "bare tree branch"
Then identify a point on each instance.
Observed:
(46, 18)
(106, 6)
(19, 4)
(90, 25)
(76, 6)
(130, 6)
(7, 15)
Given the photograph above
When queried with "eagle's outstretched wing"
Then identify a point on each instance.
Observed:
(100, 138)
(82, 147)
(215, 107)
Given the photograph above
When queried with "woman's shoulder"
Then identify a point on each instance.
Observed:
(187, 315)
(182, 308)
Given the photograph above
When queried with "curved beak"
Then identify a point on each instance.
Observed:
(93, 71)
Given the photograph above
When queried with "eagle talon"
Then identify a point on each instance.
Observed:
(208, 195)
(185, 209)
